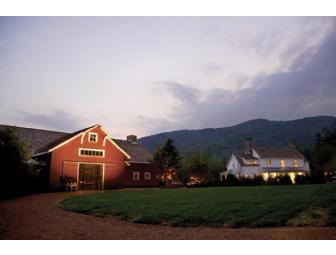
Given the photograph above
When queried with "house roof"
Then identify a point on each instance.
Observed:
(40, 141)
(240, 155)
(277, 152)
(268, 152)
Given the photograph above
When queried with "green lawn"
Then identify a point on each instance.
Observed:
(258, 206)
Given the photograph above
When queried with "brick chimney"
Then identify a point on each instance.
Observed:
(132, 138)
(248, 146)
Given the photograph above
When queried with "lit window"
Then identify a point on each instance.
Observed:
(295, 163)
(93, 137)
(147, 175)
(282, 163)
(252, 162)
(136, 176)
(93, 153)
(268, 162)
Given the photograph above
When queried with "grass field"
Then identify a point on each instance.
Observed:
(258, 206)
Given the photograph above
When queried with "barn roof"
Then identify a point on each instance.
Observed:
(138, 153)
(37, 140)
(40, 141)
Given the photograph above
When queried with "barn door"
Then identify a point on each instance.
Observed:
(90, 176)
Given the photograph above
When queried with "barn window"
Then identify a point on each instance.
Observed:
(93, 137)
(136, 176)
(91, 152)
(147, 176)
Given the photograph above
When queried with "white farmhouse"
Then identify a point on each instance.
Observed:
(268, 161)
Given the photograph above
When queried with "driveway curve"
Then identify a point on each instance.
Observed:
(38, 217)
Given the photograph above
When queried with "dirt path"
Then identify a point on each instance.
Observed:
(38, 217)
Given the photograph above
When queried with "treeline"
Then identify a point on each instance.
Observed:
(21, 175)
(201, 168)
(205, 168)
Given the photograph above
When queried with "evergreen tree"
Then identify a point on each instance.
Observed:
(167, 161)
(324, 154)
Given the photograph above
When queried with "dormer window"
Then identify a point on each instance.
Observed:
(93, 137)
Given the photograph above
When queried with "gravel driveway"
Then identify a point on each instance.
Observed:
(38, 217)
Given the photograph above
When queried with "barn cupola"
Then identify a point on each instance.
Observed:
(248, 146)
(132, 139)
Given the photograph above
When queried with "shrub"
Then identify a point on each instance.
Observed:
(246, 181)
(231, 180)
(300, 179)
(273, 181)
(285, 180)
(258, 180)
(317, 178)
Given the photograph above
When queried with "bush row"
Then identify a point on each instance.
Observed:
(232, 180)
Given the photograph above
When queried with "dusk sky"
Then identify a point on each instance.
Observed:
(144, 75)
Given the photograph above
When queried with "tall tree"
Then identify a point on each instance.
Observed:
(13, 158)
(167, 161)
(324, 153)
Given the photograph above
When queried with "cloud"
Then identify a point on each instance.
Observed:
(154, 125)
(212, 68)
(184, 93)
(307, 87)
(56, 120)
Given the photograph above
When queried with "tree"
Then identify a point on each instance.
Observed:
(324, 155)
(167, 161)
(200, 168)
(13, 157)
(214, 166)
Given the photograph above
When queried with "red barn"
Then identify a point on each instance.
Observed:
(90, 158)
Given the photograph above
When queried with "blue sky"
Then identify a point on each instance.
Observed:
(145, 75)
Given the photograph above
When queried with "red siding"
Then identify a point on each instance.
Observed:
(65, 160)
(141, 168)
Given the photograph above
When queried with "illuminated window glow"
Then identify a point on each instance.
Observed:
(252, 162)
(265, 176)
(295, 163)
(292, 177)
(268, 162)
(282, 163)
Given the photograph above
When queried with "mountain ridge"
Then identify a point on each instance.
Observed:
(222, 141)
